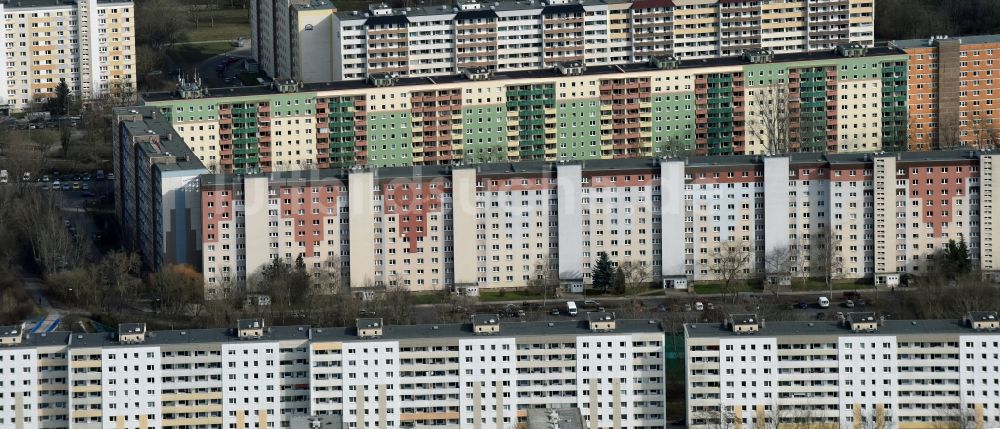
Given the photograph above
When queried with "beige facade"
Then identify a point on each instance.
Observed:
(443, 40)
(89, 44)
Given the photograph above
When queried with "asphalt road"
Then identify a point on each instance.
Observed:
(210, 76)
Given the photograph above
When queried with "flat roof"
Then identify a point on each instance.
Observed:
(964, 40)
(170, 143)
(520, 75)
(833, 328)
(25, 4)
(525, 168)
(331, 334)
(449, 10)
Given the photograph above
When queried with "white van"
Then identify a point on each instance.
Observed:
(571, 308)
(823, 302)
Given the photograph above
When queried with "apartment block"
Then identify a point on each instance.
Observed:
(952, 91)
(481, 374)
(89, 44)
(849, 100)
(157, 202)
(442, 40)
(499, 225)
(859, 371)
(284, 35)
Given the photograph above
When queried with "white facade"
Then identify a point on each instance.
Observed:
(19, 388)
(131, 379)
(861, 373)
(405, 377)
(250, 378)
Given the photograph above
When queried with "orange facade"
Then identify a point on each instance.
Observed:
(953, 86)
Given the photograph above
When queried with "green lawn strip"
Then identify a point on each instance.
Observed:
(221, 24)
(513, 295)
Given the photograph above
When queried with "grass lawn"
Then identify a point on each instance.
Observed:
(221, 24)
(512, 295)
(430, 298)
(188, 57)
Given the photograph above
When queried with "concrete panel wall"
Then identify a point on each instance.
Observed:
(463, 183)
(361, 188)
(255, 196)
(568, 179)
(776, 203)
(672, 221)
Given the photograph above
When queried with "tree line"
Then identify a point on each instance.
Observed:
(914, 19)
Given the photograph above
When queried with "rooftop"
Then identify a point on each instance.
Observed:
(449, 11)
(18, 4)
(527, 168)
(833, 328)
(149, 121)
(313, 4)
(983, 316)
(334, 334)
(964, 40)
(561, 418)
(527, 75)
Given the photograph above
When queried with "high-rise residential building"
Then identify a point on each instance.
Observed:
(504, 36)
(875, 216)
(954, 91)
(848, 100)
(478, 375)
(860, 371)
(285, 36)
(89, 44)
(156, 191)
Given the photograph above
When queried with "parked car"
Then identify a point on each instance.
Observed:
(591, 304)
(687, 307)
(554, 311)
(849, 304)
(699, 306)
(801, 304)
(710, 306)
(852, 294)
(823, 302)
(662, 308)
(65, 186)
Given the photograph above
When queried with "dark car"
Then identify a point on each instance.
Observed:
(802, 304)
(554, 311)
(662, 308)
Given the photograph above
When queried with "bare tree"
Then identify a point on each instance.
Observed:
(731, 262)
(826, 260)
(961, 416)
(719, 418)
(778, 268)
(545, 280)
(331, 277)
(873, 418)
(635, 277)
(985, 132)
(770, 125)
